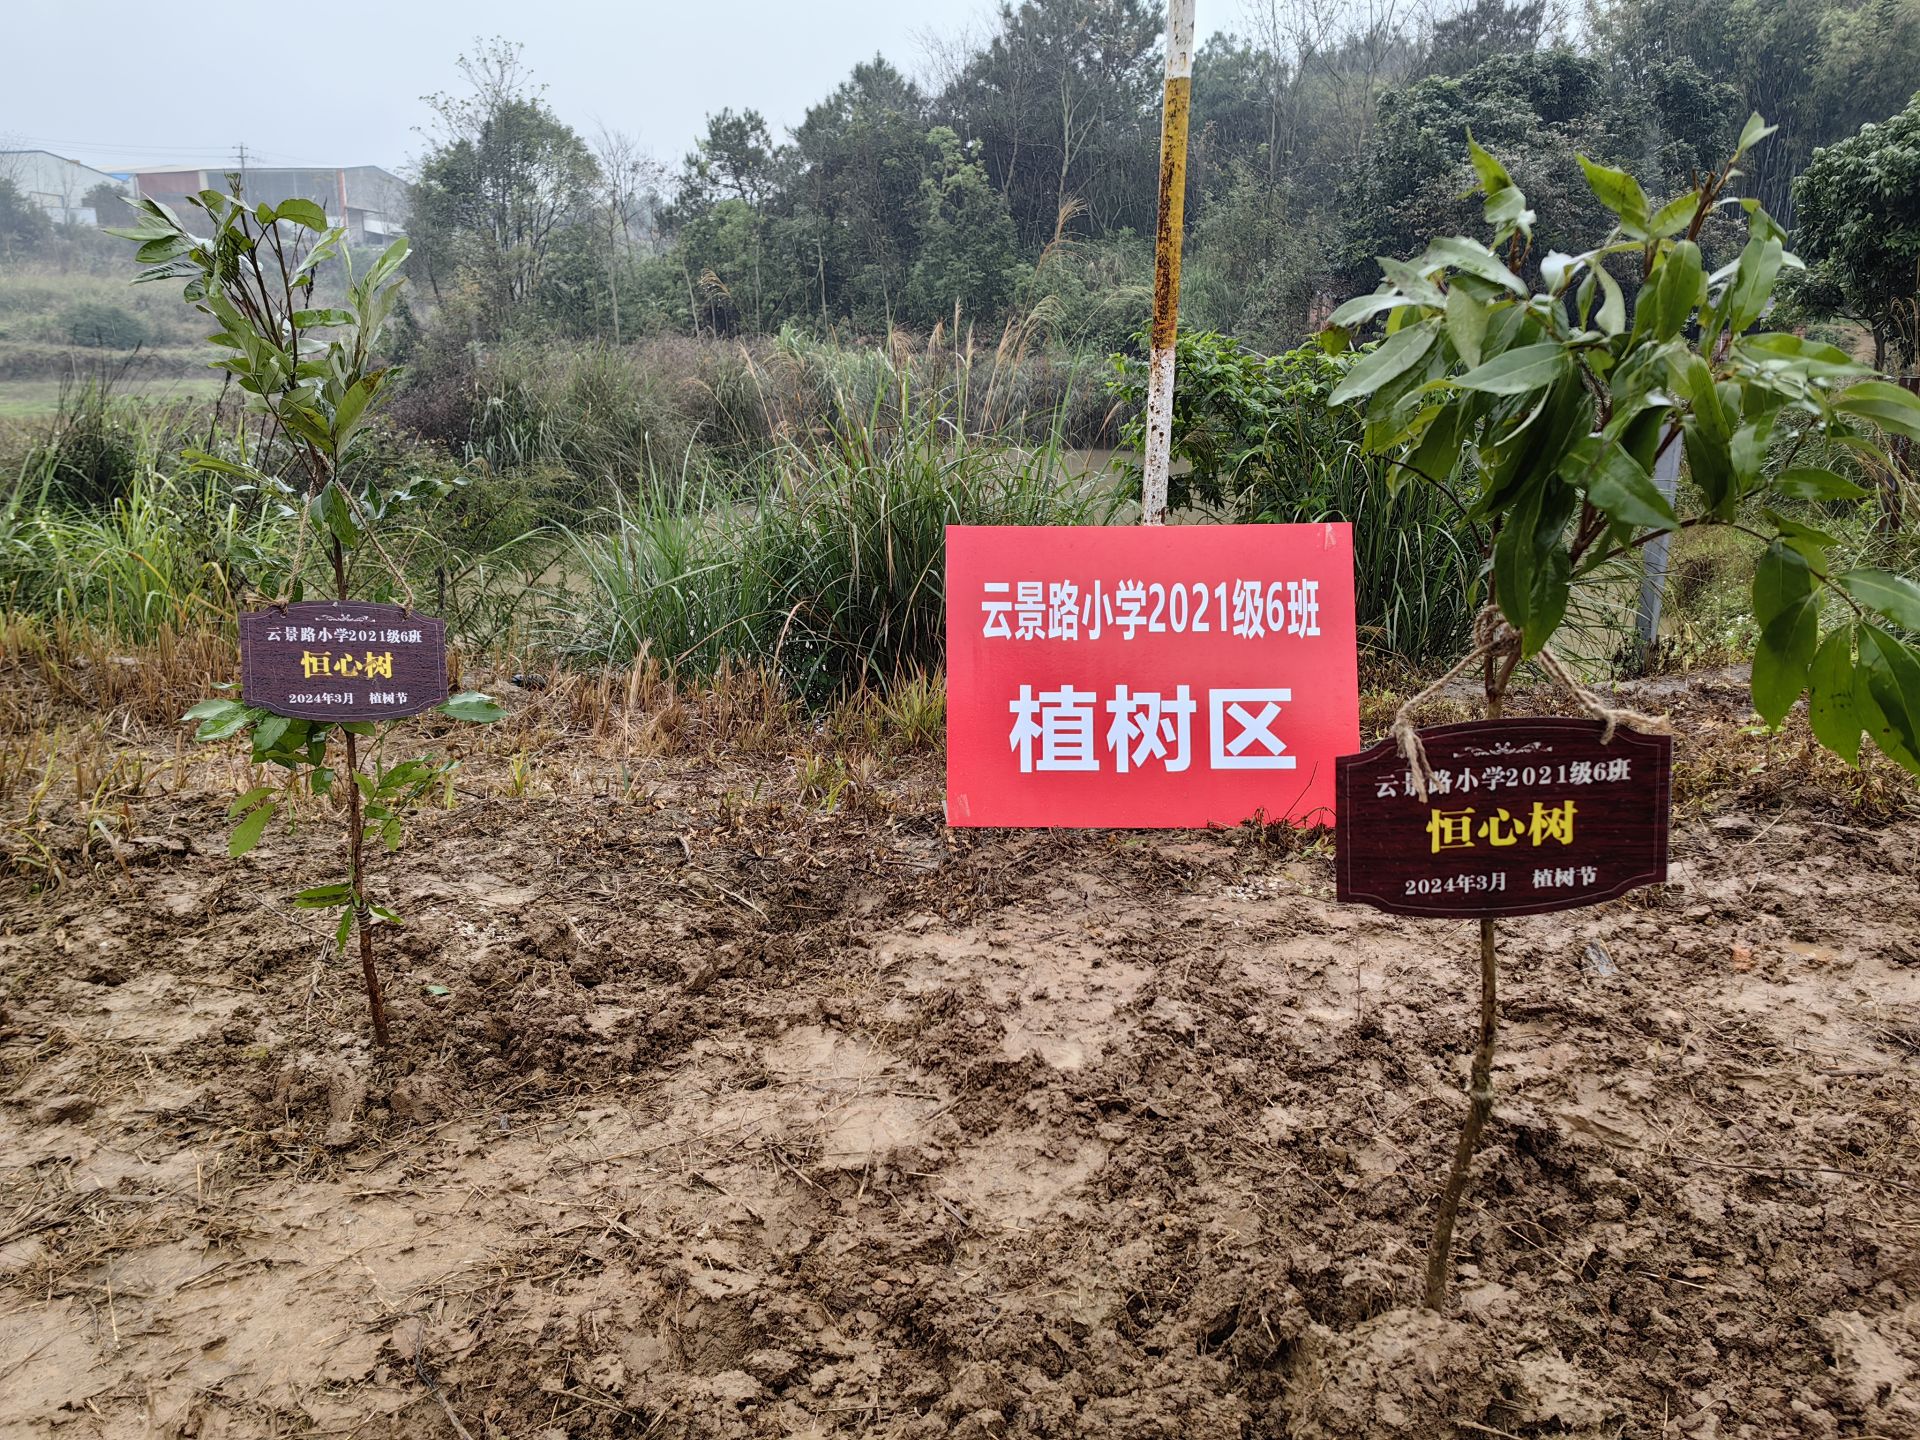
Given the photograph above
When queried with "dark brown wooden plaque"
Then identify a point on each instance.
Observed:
(343, 660)
(1524, 816)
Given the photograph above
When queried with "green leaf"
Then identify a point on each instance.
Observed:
(226, 723)
(1364, 307)
(343, 929)
(475, 706)
(1785, 604)
(1708, 441)
(391, 259)
(1892, 694)
(1674, 216)
(1747, 452)
(1808, 483)
(1752, 133)
(1809, 542)
(1753, 282)
(1671, 295)
(329, 508)
(324, 897)
(1439, 449)
(1881, 591)
(1781, 582)
(321, 319)
(1830, 703)
(1775, 353)
(1612, 316)
(1620, 193)
(1616, 484)
(390, 834)
(1460, 253)
(246, 834)
(302, 212)
(1514, 372)
(1466, 325)
(1532, 569)
(346, 416)
(1493, 175)
(1782, 660)
(1506, 210)
(213, 709)
(1885, 404)
(267, 734)
(247, 801)
(1394, 357)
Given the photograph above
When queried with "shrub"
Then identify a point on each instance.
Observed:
(102, 327)
(1261, 445)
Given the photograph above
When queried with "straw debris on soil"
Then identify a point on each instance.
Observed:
(721, 1107)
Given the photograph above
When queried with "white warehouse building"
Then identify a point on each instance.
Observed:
(60, 186)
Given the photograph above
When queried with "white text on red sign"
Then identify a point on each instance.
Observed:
(1061, 730)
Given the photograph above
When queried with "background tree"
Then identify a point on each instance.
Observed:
(1061, 102)
(1483, 30)
(506, 180)
(1858, 203)
(1539, 112)
(1817, 68)
(627, 200)
(24, 226)
(861, 159)
(968, 256)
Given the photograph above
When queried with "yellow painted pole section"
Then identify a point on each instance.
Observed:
(1166, 260)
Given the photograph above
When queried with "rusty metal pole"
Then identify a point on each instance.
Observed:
(1166, 259)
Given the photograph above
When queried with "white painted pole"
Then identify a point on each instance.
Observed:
(1653, 574)
(1166, 260)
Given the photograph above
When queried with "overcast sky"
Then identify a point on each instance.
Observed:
(115, 83)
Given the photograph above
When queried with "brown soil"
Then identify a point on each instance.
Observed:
(715, 1114)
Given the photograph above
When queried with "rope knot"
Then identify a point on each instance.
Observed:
(1494, 637)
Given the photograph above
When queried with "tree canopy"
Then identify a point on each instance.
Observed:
(1016, 176)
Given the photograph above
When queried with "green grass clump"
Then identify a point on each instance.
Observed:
(170, 552)
(833, 577)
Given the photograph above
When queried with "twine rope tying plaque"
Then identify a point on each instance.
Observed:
(299, 554)
(366, 528)
(1495, 638)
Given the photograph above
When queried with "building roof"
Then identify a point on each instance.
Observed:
(64, 160)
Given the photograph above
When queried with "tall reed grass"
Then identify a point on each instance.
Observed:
(833, 576)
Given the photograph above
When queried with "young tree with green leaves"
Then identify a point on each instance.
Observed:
(315, 375)
(1859, 232)
(1550, 406)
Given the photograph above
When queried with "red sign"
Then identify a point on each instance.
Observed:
(1148, 676)
(342, 660)
(1521, 817)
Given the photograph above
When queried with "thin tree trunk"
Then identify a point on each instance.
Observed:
(356, 873)
(1499, 669)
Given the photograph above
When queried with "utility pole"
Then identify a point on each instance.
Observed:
(243, 167)
(1166, 260)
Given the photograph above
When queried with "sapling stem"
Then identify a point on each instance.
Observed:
(376, 999)
(1479, 1107)
(1499, 669)
(356, 875)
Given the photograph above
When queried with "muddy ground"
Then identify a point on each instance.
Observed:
(715, 1113)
